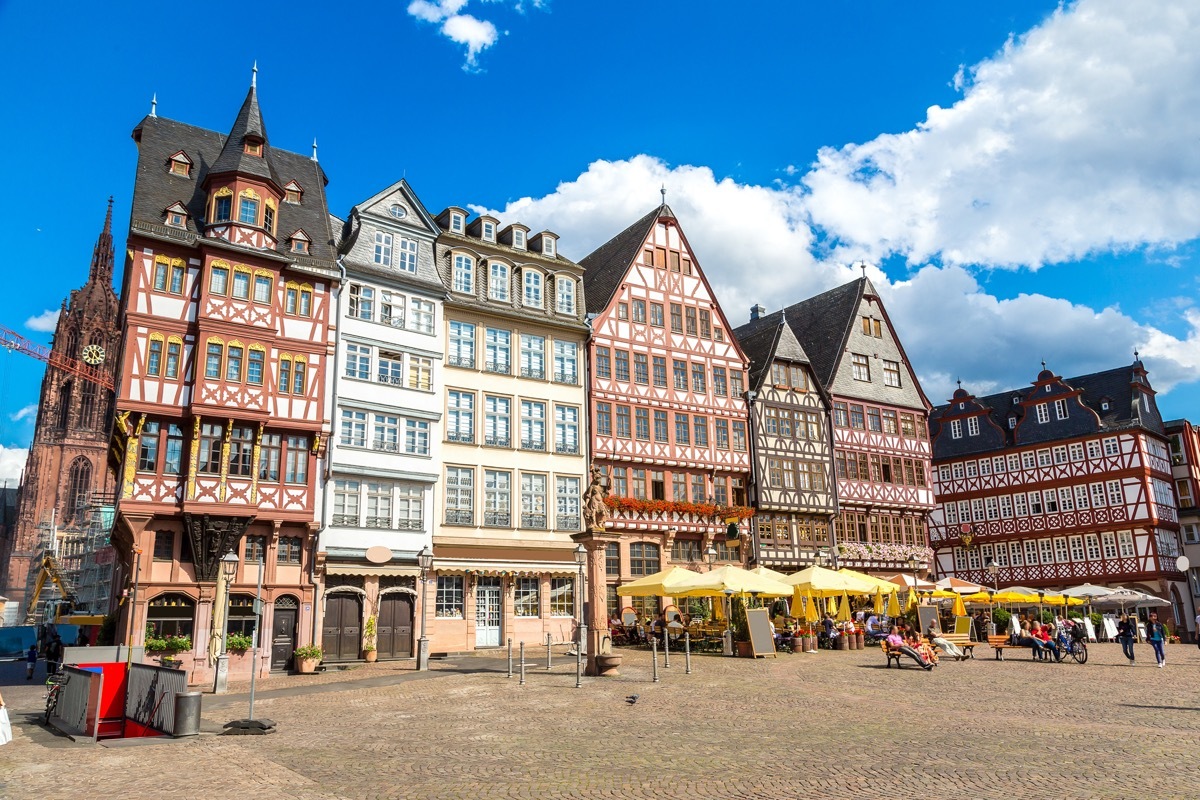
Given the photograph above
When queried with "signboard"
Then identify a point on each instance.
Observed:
(762, 633)
(927, 615)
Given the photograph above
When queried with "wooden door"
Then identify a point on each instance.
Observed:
(341, 637)
(395, 626)
(283, 633)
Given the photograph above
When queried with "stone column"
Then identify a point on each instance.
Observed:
(594, 542)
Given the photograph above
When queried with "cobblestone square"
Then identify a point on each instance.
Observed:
(830, 725)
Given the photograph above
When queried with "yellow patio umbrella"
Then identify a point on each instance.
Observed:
(657, 585)
(810, 610)
(912, 600)
(893, 606)
(877, 606)
(822, 582)
(729, 578)
(832, 608)
(960, 608)
(767, 572)
(843, 612)
(798, 603)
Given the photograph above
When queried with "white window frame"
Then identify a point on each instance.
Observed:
(383, 248)
(564, 295)
(498, 277)
(532, 295)
(464, 274)
(406, 251)
(1043, 413)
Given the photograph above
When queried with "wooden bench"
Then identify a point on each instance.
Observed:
(1001, 643)
(891, 653)
(962, 641)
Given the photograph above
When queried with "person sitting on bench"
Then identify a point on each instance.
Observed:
(1042, 634)
(945, 645)
(896, 642)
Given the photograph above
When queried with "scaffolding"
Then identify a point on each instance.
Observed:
(84, 560)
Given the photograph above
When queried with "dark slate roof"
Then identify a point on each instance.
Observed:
(155, 188)
(1116, 386)
(233, 158)
(821, 325)
(607, 265)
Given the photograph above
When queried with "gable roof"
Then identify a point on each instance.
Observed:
(605, 267)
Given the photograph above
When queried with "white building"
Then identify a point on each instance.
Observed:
(381, 487)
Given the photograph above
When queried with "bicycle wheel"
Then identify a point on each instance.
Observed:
(1079, 652)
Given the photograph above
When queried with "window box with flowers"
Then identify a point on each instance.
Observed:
(166, 647)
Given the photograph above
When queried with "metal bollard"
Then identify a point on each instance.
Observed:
(654, 657)
(509, 657)
(522, 664)
(549, 651)
(687, 653)
(667, 648)
(578, 667)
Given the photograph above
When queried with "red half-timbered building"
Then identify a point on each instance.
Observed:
(222, 412)
(880, 431)
(669, 421)
(1060, 483)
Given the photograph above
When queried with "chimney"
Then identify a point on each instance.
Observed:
(756, 311)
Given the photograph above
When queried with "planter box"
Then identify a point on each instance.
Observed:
(306, 666)
(744, 649)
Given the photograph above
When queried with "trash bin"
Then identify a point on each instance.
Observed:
(187, 714)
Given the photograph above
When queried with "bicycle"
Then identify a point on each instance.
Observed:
(1074, 644)
(54, 684)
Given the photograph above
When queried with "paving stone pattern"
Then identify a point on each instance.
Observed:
(830, 725)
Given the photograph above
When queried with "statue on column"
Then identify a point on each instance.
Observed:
(595, 510)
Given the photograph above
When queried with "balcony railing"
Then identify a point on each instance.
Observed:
(497, 519)
(460, 517)
(566, 522)
(571, 378)
(345, 520)
(387, 447)
(533, 444)
(567, 448)
(536, 374)
(378, 522)
(497, 441)
(461, 361)
(466, 437)
(410, 525)
(390, 380)
(536, 521)
(499, 369)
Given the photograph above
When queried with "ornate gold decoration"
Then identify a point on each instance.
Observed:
(254, 463)
(224, 191)
(316, 445)
(248, 192)
(193, 460)
(223, 488)
(131, 461)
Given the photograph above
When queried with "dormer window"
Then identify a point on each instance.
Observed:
(292, 193)
(518, 238)
(456, 222)
(548, 246)
(253, 147)
(488, 231)
(533, 289)
(177, 215)
(269, 216)
(1012, 422)
(299, 242)
(181, 165)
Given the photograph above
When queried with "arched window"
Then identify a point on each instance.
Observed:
(64, 404)
(78, 488)
(170, 615)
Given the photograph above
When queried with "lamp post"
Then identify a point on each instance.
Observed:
(727, 638)
(229, 567)
(581, 629)
(994, 570)
(710, 556)
(424, 561)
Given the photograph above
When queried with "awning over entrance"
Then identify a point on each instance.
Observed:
(472, 566)
(371, 569)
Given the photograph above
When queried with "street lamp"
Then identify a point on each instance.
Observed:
(727, 637)
(914, 563)
(424, 561)
(710, 556)
(581, 629)
(994, 570)
(229, 568)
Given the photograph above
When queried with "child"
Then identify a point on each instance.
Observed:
(30, 662)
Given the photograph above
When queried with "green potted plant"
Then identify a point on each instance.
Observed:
(307, 658)
(741, 628)
(238, 643)
(370, 632)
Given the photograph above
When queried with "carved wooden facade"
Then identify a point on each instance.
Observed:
(1064, 483)
(669, 417)
(222, 417)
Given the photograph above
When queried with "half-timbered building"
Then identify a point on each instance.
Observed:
(514, 454)
(385, 453)
(880, 427)
(222, 413)
(791, 485)
(669, 419)
(1055, 484)
(1184, 439)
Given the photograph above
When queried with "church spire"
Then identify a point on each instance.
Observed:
(102, 255)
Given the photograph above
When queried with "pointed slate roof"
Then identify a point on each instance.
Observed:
(766, 339)
(233, 157)
(606, 266)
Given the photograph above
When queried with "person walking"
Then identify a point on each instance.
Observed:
(1125, 636)
(54, 653)
(1156, 635)
(1198, 629)
(30, 662)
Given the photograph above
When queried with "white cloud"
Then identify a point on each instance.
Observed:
(1077, 137)
(471, 31)
(44, 322)
(12, 462)
(28, 412)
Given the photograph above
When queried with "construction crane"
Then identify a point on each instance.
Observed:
(50, 569)
(18, 343)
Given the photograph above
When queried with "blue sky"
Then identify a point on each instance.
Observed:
(1019, 177)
